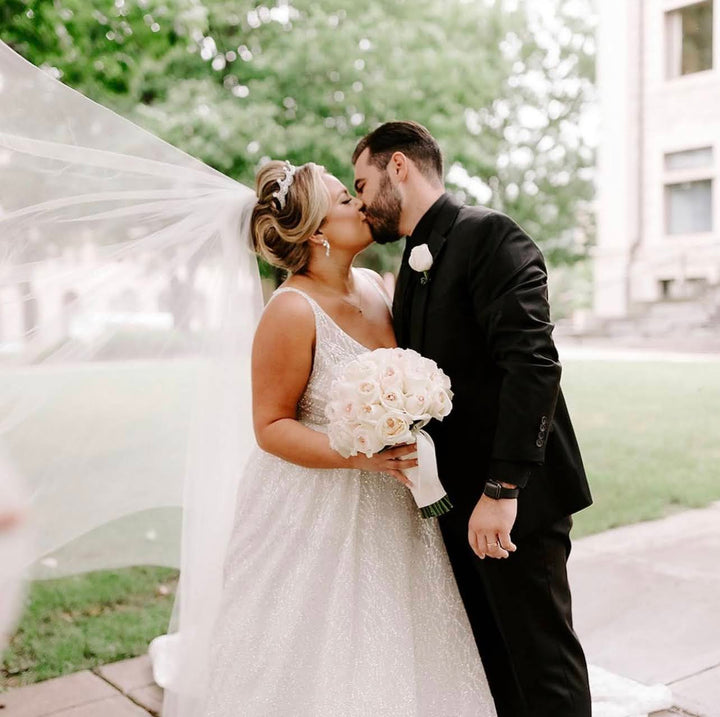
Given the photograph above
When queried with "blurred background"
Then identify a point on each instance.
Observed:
(595, 125)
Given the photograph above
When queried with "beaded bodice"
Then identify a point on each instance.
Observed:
(333, 348)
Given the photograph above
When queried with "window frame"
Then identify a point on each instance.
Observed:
(701, 173)
(673, 40)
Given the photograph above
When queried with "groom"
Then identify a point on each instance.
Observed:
(507, 453)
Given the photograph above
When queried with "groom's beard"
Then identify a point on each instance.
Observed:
(383, 215)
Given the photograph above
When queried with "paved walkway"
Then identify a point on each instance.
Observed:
(646, 601)
(616, 351)
(120, 689)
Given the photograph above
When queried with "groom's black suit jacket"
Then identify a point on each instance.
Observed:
(483, 316)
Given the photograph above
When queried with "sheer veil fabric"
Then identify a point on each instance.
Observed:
(129, 295)
(14, 542)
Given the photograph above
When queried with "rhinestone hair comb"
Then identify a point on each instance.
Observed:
(285, 184)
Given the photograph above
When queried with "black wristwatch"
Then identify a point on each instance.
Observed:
(496, 491)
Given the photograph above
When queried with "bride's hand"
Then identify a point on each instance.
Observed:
(391, 460)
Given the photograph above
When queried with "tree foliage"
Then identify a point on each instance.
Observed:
(234, 82)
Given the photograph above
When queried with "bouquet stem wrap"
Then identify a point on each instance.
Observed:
(427, 489)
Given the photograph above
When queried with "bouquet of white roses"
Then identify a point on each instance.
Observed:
(384, 398)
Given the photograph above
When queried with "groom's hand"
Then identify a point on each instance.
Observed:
(490, 525)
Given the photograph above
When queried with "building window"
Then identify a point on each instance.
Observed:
(666, 288)
(690, 159)
(689, 207)
(689, 39)
(696, 287)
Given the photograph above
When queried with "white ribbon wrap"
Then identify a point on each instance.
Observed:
(427, 488)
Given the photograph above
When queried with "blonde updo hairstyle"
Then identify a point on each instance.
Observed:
(280, 234)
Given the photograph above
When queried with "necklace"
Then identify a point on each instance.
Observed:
(355, 306)
(358, 307)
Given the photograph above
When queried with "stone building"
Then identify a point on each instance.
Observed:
(658, 249)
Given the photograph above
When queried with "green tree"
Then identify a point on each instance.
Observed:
(234, 82)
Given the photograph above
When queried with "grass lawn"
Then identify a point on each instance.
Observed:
(648, 436)
(76, 623)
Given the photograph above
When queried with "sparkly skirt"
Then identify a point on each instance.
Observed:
(339, 600)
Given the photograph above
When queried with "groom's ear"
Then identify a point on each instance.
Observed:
(399, 166)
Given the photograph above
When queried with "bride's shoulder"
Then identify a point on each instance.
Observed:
(294, 305)
(288, 313)
(284, 344)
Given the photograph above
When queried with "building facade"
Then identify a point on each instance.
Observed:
(659, 155)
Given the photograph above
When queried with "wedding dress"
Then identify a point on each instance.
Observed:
(338, 597)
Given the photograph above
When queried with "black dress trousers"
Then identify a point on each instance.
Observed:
(520, 613)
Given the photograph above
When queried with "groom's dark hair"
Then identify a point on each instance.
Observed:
(410, 138)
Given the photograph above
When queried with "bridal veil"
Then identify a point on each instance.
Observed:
(129, 295)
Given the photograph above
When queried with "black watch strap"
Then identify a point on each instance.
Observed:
(496, 491)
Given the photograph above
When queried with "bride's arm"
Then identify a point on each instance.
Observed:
(282, 360)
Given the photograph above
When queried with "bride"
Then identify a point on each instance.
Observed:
(338, 597)
(335, 597)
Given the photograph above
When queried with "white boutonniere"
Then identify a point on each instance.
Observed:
(421, 260)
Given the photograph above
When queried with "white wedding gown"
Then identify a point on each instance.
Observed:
(338, 597)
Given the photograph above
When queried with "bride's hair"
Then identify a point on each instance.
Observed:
(280, 234)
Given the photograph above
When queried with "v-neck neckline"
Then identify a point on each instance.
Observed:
(333, 321)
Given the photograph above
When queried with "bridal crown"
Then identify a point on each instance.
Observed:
(284, 184)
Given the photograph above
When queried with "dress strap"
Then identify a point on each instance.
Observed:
(321, 318)
(370, 274)
(315, 306)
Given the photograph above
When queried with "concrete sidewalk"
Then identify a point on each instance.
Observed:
(646, 601)
(120, 689)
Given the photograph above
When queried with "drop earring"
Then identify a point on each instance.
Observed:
(326, 244)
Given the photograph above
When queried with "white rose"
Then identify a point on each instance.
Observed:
(440, 404)
(342, 439)
(347, 409)
(440, 379)
(343, 390)
(416, 382)
(420, 258)
(367, 441)
(391, 377)
(417, 406)
(392, 398)
(359, 369)
(368, 391)
(370, 413)
(398, 353)
(332, 410)
(410, 357)
(394, 429)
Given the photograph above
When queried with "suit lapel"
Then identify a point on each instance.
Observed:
(421, 292)
(402, 298)
(411, 295)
